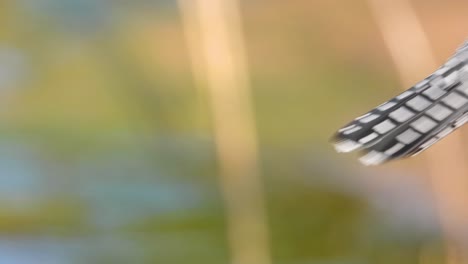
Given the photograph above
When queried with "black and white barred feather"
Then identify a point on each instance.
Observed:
(414, 120)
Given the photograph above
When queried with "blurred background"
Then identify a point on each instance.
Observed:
(114, 147)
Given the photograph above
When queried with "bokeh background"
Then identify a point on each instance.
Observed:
(107, 149)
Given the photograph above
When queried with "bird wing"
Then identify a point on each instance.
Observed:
(415, 119)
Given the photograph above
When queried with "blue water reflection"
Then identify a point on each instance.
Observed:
(123, 207)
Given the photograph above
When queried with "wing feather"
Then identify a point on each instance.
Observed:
(414, 120)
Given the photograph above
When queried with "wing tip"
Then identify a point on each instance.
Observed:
(373, 158)
(346, 145)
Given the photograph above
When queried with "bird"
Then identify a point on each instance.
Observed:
(414, 120)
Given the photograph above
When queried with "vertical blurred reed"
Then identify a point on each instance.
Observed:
(215, 39)
(411, 52)
(193, 37)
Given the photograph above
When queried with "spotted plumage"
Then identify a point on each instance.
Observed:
(414, 120)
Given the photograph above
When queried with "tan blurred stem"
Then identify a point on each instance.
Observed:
(219, 59)
(411, 52)
(190, 23)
